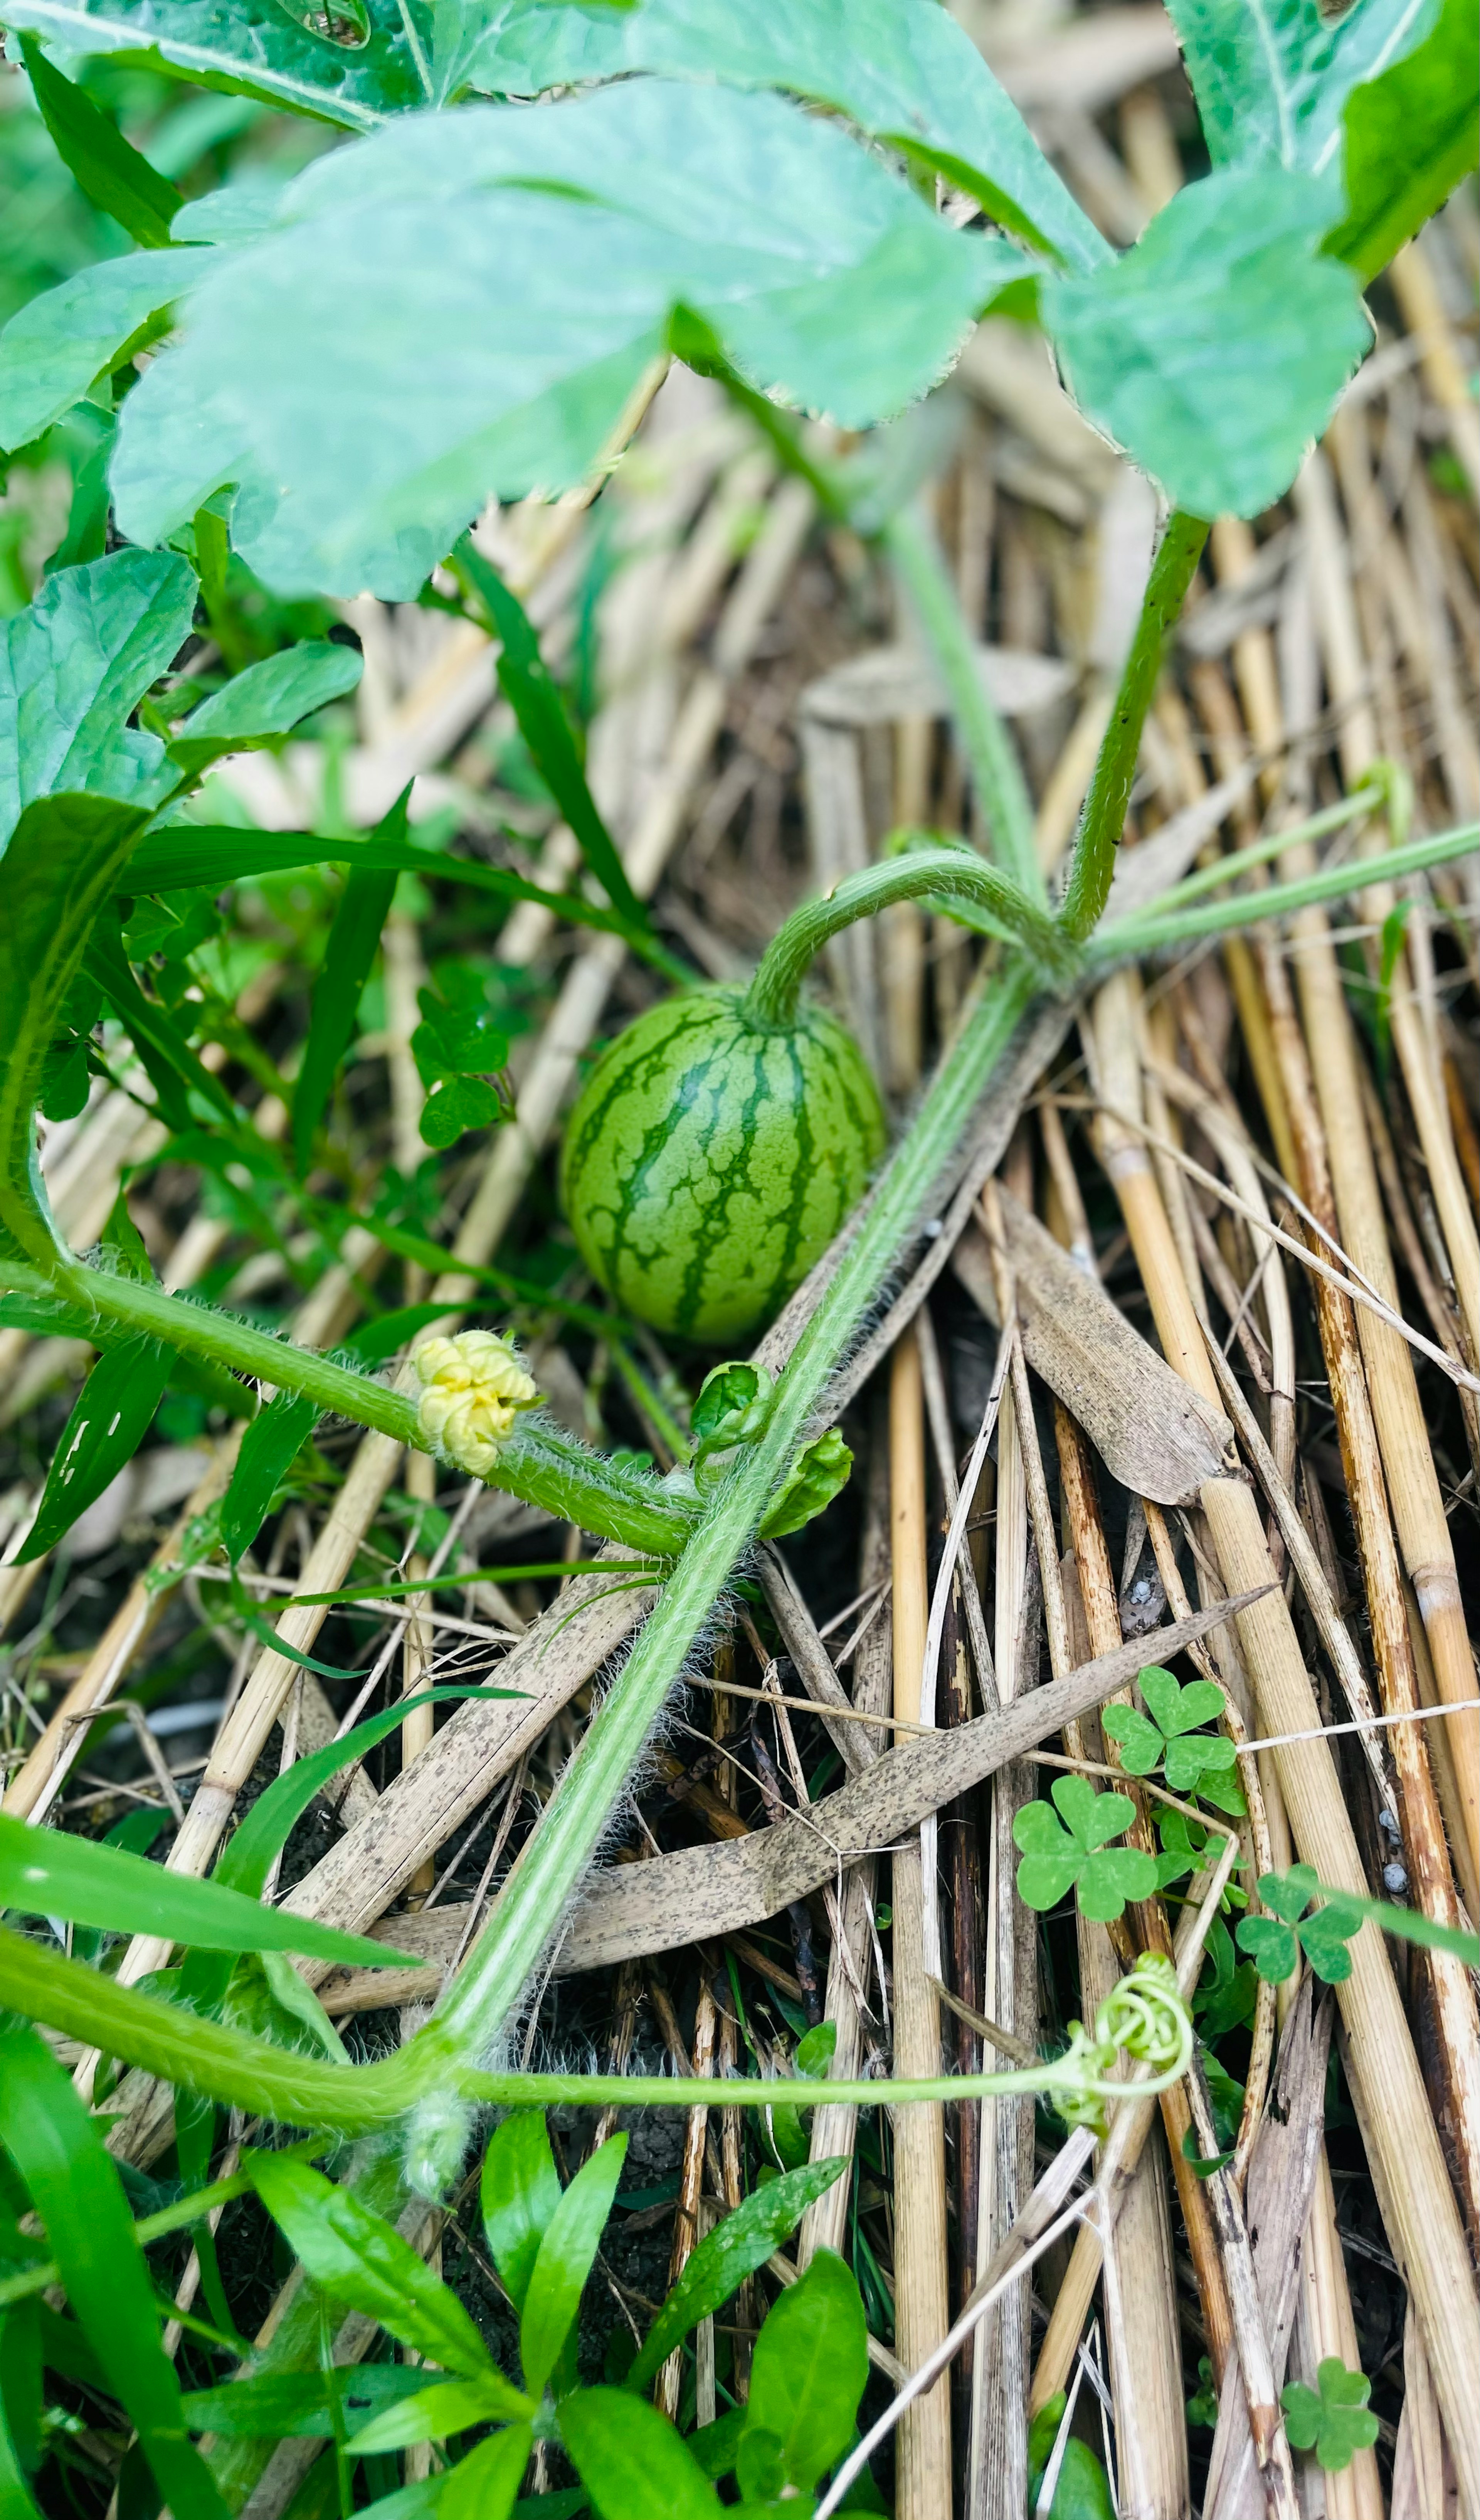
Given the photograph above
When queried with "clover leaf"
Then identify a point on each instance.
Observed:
(1335, 2423)
(459, 1050)
(1275, 1940)
(1192, 1762)
(1078, 1855)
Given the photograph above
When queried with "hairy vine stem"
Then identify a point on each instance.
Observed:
(538, 1464)
(1146, 2016)
(1092, 864)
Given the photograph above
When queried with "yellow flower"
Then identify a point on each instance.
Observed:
(474, 1388)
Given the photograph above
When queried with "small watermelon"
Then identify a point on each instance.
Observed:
(711, 1158)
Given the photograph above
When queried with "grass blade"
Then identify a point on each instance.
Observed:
(43, 1873)
(76, 2190)
(534, 696)
(364, 908)
(109, 1420)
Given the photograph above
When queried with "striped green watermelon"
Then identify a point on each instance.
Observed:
(711, 1158)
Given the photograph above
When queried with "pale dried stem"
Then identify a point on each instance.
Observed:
(920, 2289)
(1424, 2226)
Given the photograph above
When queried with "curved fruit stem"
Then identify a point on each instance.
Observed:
(1104, 818)
(773, 995)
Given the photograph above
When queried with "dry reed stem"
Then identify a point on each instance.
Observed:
(921, 2290)
(1418, 1807)
(1413, 1483)
(687, 2232)
(1423, 2223)
(834, 2127)
(997, 2461)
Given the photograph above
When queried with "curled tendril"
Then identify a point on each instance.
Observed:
(1146, 2015)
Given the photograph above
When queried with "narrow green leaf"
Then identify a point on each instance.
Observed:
(537, 702)
(1410, 137)
(810, 2367)
(451, 2406)
(353, 942)
(74, 2186)
(189, 854)
(363, 2263)
(267, 701)
(291, 2405)
(110, 1417)
(566, 2255)
(45, 1873)
(733, 2250)
(519, 2191)
(484, 2485)
(631, 2461)
(174, 1068)
(116, 179)
(270, 1446)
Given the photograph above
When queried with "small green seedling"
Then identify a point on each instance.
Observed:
(1192, 1762)
(1202, 2406)
(1276, 1941)
(1333, 2419)
(1078, 1854)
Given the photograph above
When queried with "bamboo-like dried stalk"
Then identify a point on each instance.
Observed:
(921, 2290)
(1423, 2223)
(1418, 1506)
(687, 2232)
(1417, 1806)
(997, 2466)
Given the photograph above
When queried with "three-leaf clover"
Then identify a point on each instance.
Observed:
(1275, 1941)
(1191, 1761)
(1335, 2423)
(1079, 1856)
(459, 1050)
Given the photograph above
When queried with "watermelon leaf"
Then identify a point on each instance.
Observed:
(901, 69)
(1215, 350)
(253, 51)
(62, 862)
(74, 667)
(366, 419)
(60, 343)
